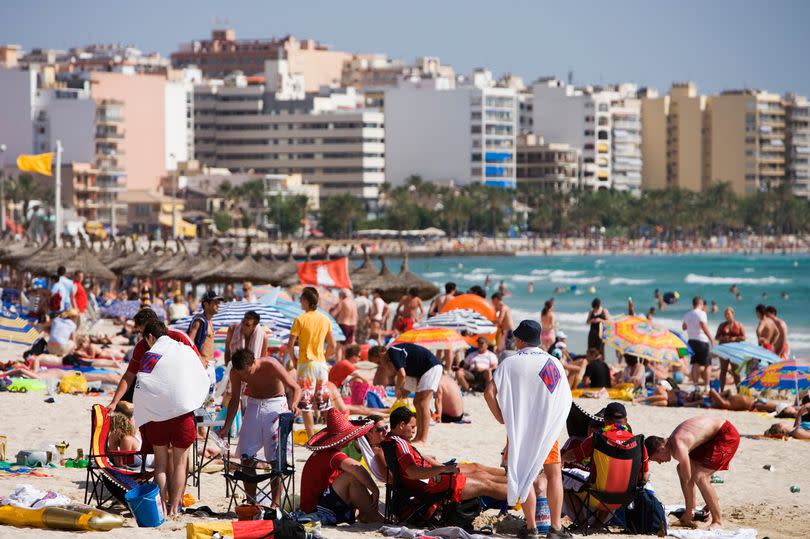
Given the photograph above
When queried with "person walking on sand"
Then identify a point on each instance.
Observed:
(696, 325)
(504, 322)
(529, 395)
(702, 445)
(311, 330)
(413, 368)
(729, 331)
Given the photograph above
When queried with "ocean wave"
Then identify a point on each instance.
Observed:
(483, 270)
(540, 272)
(570, 322)
(575, 280)
(798, 336)
(631, 282)
(524, 278)
(748, 270)
(694, 278)
(433, 274)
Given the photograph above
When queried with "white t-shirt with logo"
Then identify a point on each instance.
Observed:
(692, 319)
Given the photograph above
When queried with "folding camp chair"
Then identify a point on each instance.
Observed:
(617, 466)
(107, 483)
(420, 508)
(282, 466)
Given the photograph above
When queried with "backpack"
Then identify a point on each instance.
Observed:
(55, 303)
(646, 515)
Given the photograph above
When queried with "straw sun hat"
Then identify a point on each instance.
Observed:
(339, 431)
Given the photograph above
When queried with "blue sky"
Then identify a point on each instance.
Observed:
(719, 44)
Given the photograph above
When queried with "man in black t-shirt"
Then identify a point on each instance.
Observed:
(413, 368)
(597, 373)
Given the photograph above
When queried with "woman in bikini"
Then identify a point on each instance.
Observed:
(729, 331)
(548, 325)
(596, 316)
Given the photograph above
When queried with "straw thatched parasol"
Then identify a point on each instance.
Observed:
(408, 279)
(286, 274)
(47, 260)
(86, 261)
(384, 282)
(234, 270)
(202, 265)
(15, 252)
(364, 273)
(121, 265)
(393, 287)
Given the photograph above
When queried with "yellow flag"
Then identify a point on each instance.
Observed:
(36, 163)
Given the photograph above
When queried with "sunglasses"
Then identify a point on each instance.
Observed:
(381, 430)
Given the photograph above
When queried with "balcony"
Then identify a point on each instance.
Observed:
(105, 135)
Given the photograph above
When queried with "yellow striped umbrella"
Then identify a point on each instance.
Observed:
(434, 339)
(16, 330)
(643, 338)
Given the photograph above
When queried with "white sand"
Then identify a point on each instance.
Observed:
(750, 497)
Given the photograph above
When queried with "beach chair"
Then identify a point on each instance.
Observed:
(617, 467)
(260, 472)
(107, 483)
(419, 508)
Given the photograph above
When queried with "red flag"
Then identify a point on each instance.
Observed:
(327, 273)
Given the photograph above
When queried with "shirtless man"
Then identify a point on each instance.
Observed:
(272, 391)
(767, 330)
(345, 313)
(780, 345)
(409, 311)
(702, 445)
(442, 299)
(451, 408)
(504, 323)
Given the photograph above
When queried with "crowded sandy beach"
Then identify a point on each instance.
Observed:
(184, 393)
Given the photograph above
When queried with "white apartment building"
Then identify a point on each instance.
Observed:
(33, 119)
(797, 120)
(276, 129)
(605, 123)
(441, 131)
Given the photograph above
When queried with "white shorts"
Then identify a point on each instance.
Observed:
(260, 427)
(428, 382)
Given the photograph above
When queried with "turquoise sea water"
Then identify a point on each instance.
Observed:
(615, 278)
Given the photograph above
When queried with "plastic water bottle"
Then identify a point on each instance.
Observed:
(542, 516)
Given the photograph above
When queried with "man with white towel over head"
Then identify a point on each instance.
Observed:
(529, 394)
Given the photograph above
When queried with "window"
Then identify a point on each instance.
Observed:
(602, 135)
(588, 132)
(475, 129)
(603, 107)
(603, 120)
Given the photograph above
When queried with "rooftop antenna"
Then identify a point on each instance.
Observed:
(570, 77)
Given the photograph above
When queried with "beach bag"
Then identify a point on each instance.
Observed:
(55, 303)
(73, 383)
(646, 515)
(399, 403)
(462, 514)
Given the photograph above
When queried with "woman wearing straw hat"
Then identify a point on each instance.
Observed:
(332, 483)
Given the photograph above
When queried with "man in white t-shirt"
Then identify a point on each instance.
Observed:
(476, 370)
(700, 338)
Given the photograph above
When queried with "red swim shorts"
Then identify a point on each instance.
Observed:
(448, 483)
(179, 432)
(404, 324)
(716, 454)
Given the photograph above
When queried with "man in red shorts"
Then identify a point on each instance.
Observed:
(701, 445)
(172, 383)
(409, 311)
(463, 481)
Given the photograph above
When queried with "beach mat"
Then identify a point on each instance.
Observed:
(9, 469)
(742, 533)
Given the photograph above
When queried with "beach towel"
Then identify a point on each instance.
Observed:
(171, 382)
(7, 469)
(449, 532)
(256, 340)
(535, 400)
(742, 533)
(370, 458)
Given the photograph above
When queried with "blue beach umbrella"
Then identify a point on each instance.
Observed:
(293, 310)
(232, 313)
(740, 352)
